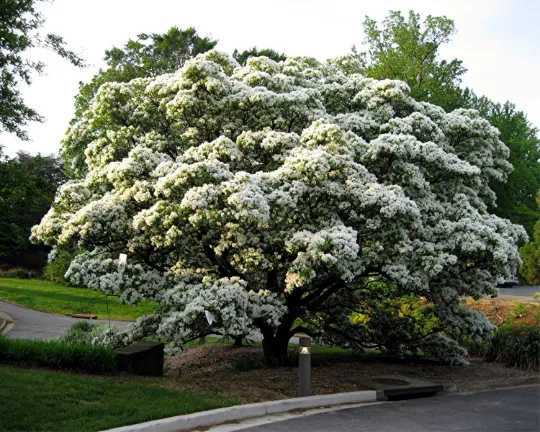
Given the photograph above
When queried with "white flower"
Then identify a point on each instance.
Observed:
(251, 192)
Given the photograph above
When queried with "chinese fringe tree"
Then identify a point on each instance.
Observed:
(287, 196)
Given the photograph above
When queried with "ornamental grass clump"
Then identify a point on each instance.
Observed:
(285, 197)
(516, 346)
(57, 355)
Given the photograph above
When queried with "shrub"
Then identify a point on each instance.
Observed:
(516, 346)
(57, 355)
(82, 333)
(17, 273)
(59, 261)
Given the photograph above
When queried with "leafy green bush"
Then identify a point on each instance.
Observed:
(516, 346)
(57, 267)
(16, 273)
(57, 355)
(82, 333)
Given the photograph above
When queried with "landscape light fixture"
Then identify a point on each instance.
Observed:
(304, 365)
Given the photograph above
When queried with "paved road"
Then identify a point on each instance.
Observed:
(507, 410)
(525, 291)
(30, 324)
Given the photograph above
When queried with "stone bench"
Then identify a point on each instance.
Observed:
(144, 358)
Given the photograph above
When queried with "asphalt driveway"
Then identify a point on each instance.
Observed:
(31, 324)
(506, 410)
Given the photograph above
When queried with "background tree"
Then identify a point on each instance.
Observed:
(19, 22)
(516, 198)
(408, 50)
(145, 56)
(241, 57)
(283, 197)
(27, 187)
(530, 254)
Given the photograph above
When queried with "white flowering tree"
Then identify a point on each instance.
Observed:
(287, 196)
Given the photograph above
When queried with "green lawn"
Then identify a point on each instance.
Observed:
(50, 297)
(315, 349)
(36, 400)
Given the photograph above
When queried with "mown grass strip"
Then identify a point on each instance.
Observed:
(50, 297)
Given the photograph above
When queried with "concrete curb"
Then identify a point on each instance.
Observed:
(242, 412)
(7, 325)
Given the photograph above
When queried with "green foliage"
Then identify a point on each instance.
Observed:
(82, 333)
(20, 20)
(56, 269)
(57, 355)
(37, 400)
(516, 346)
(146, 56)
(16, 273)
(408, 50)
(242, 57)
(516, 199)
(530, 269)
(395, 325)
(27, 187)
(530, 254)
(50, 297)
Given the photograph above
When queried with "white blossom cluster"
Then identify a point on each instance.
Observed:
(239, 190)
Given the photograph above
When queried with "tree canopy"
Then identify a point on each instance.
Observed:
(27, 187)
(530, 254)
(145, 56)
(19, 23)
(242, 57)
(408, 50)
(516, 198)
(287, 196)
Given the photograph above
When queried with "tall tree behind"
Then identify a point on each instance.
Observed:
(408, 50)
(19, 22)
(27, 187)
(242, 57)
(146, 56)
(516, 199)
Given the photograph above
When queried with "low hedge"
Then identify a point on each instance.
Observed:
(57, 355)
(16, 273)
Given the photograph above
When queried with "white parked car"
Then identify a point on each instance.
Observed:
(508, 282)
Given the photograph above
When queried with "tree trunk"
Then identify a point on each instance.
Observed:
(238, 341)
(276, 342)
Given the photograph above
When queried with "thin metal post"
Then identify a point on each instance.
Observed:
(304, 365)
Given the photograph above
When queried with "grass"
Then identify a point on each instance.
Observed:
(50, 297)
(315, 349)
(37, 400)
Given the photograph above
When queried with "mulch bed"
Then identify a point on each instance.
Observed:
(210, 369)
(500, 312)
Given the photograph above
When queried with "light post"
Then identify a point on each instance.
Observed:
(304, 365)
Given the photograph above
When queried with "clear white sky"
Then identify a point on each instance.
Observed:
(498, 41)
